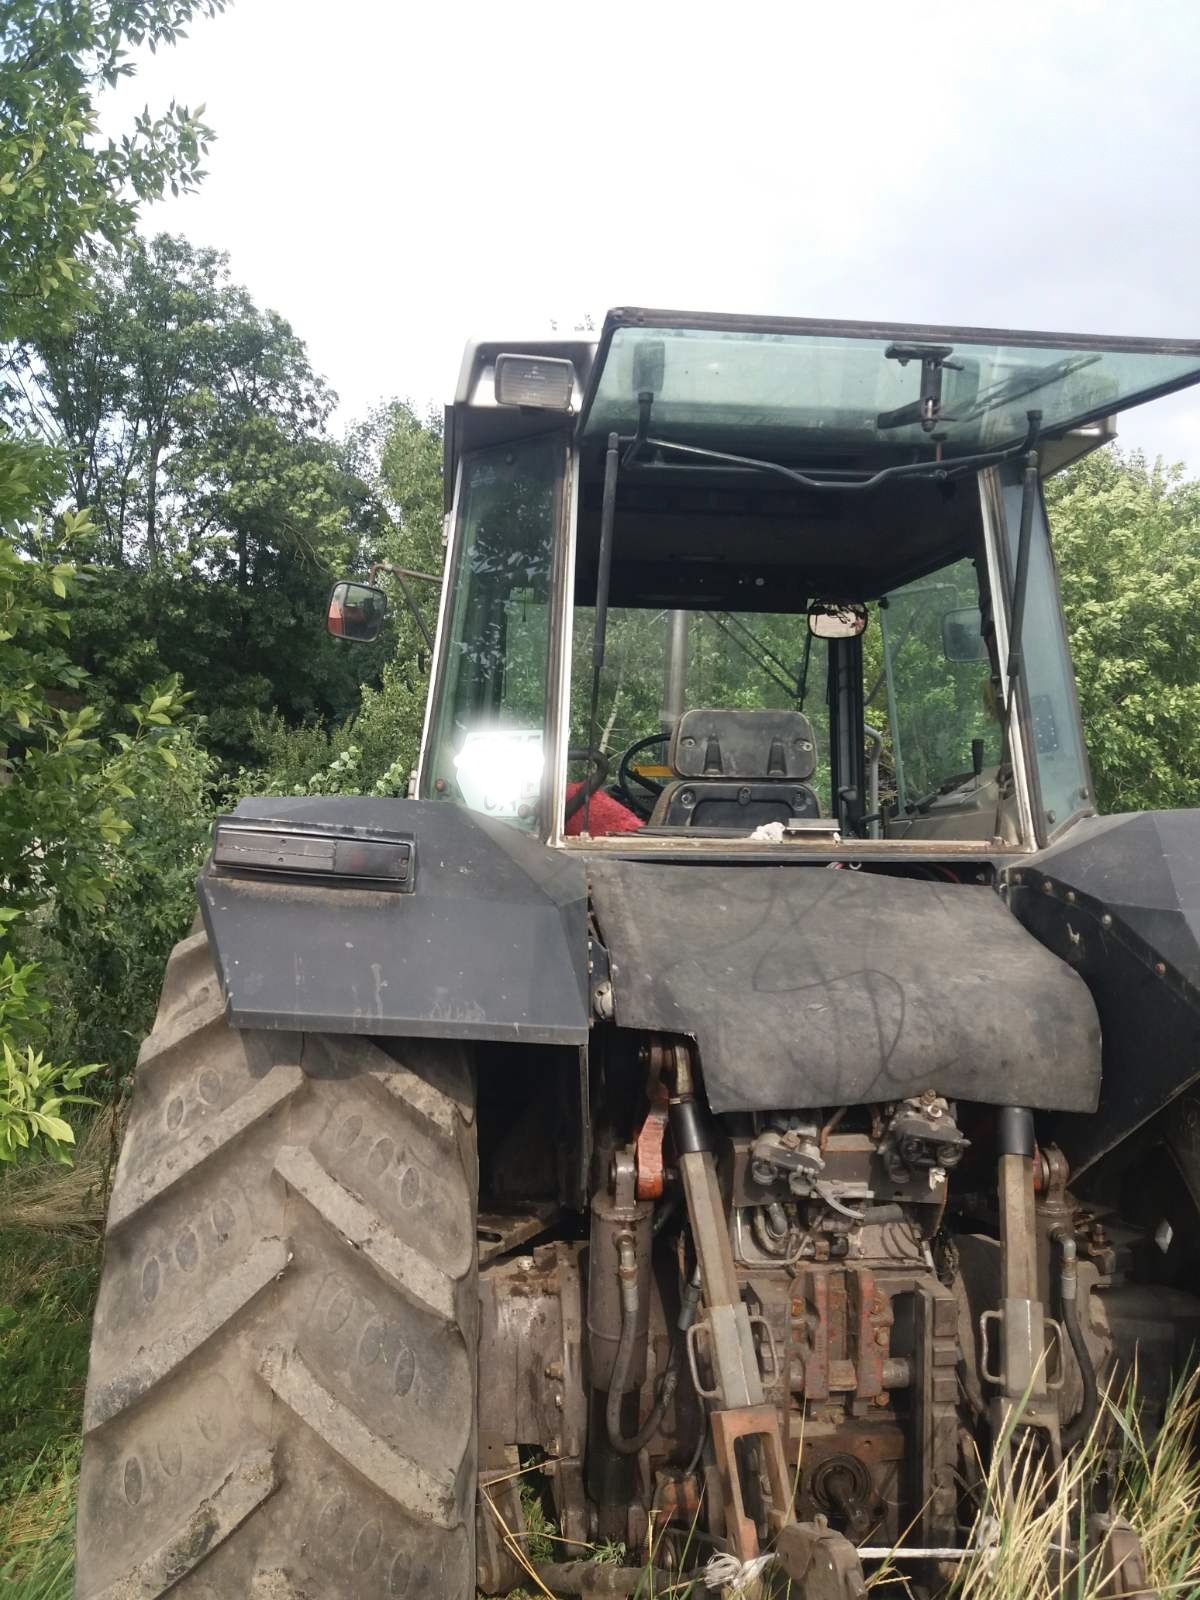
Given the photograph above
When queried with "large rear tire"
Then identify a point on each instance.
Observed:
(281, 1399)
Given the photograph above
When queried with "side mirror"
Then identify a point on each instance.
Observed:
(356, 611)
(962, 635)
(837, 619)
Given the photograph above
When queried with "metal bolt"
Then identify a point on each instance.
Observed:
(882, 1399)
(1070, 897)
(1160, 968)
(1106, 921)
(1050, 817)
(1047, 887)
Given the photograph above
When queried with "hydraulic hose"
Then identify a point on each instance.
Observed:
(1080, 1424)
(627, 1273)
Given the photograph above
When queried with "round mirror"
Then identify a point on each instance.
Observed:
(837, 619)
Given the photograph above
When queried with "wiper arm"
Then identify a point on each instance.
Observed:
(765, 650)
(763, 661)
(1027, 381)
(932, 471)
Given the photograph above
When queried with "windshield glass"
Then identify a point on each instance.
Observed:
(786, 394)
(706, 720)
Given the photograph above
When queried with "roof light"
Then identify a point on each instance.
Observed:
(266, 847)
(544, 383)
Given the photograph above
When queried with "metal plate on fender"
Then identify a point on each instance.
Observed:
(805, 987)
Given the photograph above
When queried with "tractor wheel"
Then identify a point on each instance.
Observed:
(281, 1400)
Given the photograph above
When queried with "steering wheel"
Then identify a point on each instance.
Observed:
(597, 773)
(626, 776)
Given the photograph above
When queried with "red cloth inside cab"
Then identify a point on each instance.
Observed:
(606, 815)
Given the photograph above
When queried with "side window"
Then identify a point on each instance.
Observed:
(485, 741)
(938, 703)
(1059, 755)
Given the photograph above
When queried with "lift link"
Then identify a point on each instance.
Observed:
(1024, 1397)
(739, 1410)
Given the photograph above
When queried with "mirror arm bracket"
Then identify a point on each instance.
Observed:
(402, 575)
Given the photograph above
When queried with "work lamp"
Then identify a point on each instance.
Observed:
(540, 383)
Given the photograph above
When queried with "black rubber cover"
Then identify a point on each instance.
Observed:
(806, 987)
(491, 943)
(1119, 898)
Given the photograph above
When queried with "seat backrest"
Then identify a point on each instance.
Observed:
(744, 744)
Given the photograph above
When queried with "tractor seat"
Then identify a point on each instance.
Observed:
(738, 769)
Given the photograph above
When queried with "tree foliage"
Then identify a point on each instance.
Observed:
(1127, 539)
(75, 791)
(192, 425)
(61, 188)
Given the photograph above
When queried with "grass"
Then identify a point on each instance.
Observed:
(49, 1266)
(1034, 1524)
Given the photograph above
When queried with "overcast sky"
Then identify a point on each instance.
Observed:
(394, 177)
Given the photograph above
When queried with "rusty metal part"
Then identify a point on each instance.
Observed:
(648, 1146)
(842, 1486)
(935, 1332)
(588, 1578)
(1119, 1553)
(498, 1508)
(531, 1322)
(759, 1424)
(499, 1232)
(677, 1498)
(823, 1564)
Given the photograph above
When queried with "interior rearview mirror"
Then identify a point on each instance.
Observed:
(962, 635)
(837, 619)
(356, 611)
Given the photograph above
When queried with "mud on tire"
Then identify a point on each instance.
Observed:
(281, 1399)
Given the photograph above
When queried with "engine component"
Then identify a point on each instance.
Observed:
(789, 1149)
(922, 1135)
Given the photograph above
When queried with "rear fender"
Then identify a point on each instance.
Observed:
(1118, 898)
(488, 941)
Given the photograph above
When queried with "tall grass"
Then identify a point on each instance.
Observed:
(1036, 1529)
(47, 1287)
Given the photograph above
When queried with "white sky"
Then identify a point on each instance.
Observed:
(393, 177)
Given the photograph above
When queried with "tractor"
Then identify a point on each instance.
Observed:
(743, 1086)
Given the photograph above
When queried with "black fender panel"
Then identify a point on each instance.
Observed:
(491, 942)
(1119, 899)
(805, 987)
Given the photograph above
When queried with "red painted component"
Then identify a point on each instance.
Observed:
(606, 815)
(648, 1148)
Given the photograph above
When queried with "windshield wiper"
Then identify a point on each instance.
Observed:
(764, 660)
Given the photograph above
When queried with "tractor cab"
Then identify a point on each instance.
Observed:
(766, 584)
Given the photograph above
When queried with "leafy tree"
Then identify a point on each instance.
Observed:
(398, 456)
(61, 189)
(1127, 538)
(73, 804)
(72, 797)
(194, 429)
